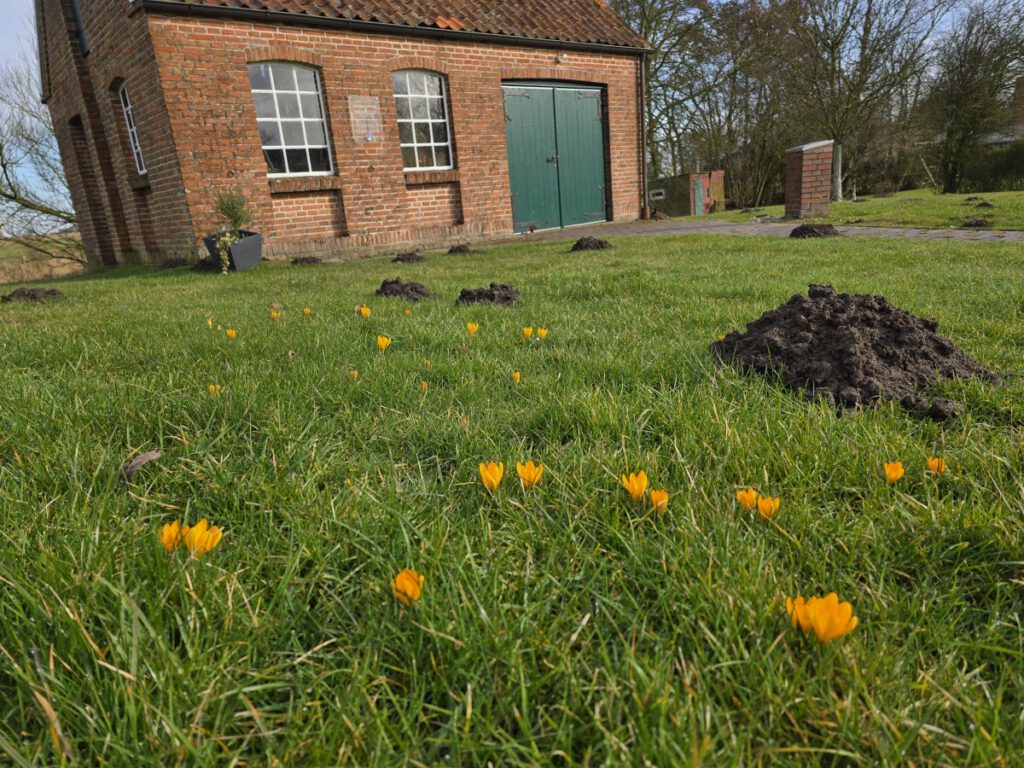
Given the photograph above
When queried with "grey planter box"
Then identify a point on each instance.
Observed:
(243, 255)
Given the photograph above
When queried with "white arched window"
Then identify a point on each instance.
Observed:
(424, 131)
(291, 117)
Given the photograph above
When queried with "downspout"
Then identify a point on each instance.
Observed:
(645, 211)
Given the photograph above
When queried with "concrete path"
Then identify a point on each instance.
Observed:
(703, 226)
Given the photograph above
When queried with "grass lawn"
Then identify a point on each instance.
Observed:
(563, 625)
(913, 208)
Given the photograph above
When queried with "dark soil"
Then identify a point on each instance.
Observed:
(505, 295)
(408, 258)
(459, 249)
(976, 223)
(172, 264)
(302, 261)
(985, 205)
(973, 199)
(32, 294)
(852, 349)
(205, 265)
(408, 291)
(815, 230)
(591, 244)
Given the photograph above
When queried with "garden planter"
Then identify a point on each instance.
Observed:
(242, 255)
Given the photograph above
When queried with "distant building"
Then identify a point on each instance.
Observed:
(348, 125)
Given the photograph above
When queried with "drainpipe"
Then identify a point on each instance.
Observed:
(645, 210)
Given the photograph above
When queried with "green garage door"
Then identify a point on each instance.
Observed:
(556, 159)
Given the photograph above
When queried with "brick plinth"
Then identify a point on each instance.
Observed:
(808, 180)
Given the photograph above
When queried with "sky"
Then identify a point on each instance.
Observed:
(15, 23)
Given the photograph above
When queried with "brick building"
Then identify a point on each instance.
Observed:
(348, 125)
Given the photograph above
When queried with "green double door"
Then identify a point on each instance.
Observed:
(556, 158)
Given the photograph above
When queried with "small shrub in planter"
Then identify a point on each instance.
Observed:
(234, 247)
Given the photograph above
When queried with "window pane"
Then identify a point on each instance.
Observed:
(422, 133)
(306, 79)
(440, 133)
(275, 160)
(419, 109)
(259, 77)
(433, 85)
(270, 134)
(405, 133)
(319, 161)
(437, 109)
(315, 133)
(443, 156)
(288, 105)
(409, 157)
(284, 77)
(265, 105)
(297, 161)
(293, 136)
(417, 82)
(424, 157)
(311, 106)
(404, 112)
(399, 82)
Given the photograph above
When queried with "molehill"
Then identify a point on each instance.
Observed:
(855, 350)
(408, 291)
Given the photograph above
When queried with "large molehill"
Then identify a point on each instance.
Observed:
(852, 349)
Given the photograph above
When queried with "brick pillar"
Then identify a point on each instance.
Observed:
(808, 179)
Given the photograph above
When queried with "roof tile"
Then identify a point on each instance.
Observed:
(577, 21)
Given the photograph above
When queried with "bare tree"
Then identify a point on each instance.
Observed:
(845, 59)
(35, 203)
(977, 64)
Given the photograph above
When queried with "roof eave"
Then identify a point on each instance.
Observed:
(175, 8)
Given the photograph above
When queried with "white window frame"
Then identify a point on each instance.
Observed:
(133, 134)
(274, 91)
(412, 120)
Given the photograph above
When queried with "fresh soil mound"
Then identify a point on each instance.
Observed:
(399, 290)
(460, 249)
(976, 223)
(408, 258)
(590, 244)
(32, 294)
(505, 295)
(815, 230)
(853, 349)
(302, 261)
(985, 204)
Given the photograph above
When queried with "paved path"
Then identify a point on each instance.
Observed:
(703, 226)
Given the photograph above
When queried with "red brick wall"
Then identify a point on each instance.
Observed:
(121, 215)
(808, 180)
(203, 66)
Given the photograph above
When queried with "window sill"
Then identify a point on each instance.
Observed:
(304, 184)
(139, 182)
(413, 178)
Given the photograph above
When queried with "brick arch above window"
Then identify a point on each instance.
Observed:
(425, 63)
(295, 54)
(551, 73)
